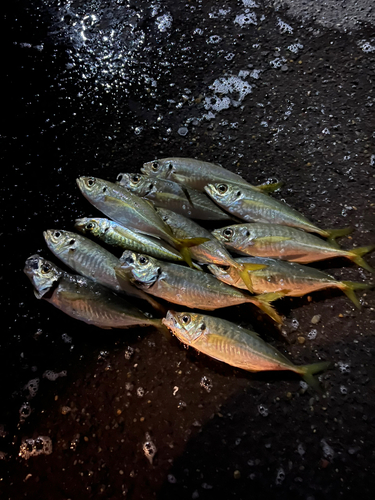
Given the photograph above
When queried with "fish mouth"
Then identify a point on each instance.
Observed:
(170, 321)
(31, 264)
(209, 188)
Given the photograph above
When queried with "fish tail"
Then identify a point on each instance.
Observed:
(263, 302)
(183, 245)
(308, 372)
(332, 234)
(245, 269)
(348, 288)
(270, 188)
(356, 256)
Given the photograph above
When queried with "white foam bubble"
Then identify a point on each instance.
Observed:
(51, 375)
(164, 22)
(284, 27)
(149, 448)
(246, 19)
(32, 387)
(42, 445)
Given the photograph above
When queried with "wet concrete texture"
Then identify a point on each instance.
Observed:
(271, 91)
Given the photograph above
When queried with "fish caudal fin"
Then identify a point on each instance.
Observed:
(356, 256)
(183, 245)
(308, 372)
(270, 188)
(332, 234)
(245, 269)
(264, 300)
(348, 288)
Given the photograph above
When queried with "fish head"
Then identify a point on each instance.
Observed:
(219, 271)
(91, 226)
(224, 193)
(186, 326)
(93, 188)
(162, 169)
(225, 234)
(137, 183)
(59, 241)
(42, 274)
(165, 214)
(144, 269)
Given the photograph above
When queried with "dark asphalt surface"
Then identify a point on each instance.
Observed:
(272, 91)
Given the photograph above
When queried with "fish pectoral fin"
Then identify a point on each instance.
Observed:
(270, 239)
(180, 179)
(115, 201)
(270, 188)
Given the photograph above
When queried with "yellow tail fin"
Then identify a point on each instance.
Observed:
(348, 288)
(183, 245)
(263, 302)
(332, 234)
(308, 372)
(245, 269)
(356, 256)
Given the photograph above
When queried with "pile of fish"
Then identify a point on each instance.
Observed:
(169, 258)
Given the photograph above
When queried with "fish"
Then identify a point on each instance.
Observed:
(114, 234)
(197, 174)
(285, 243)
(279, 275)
(227, 342)
(210, 252)
(131, 211)
(82, 298)
(92, 261)
(188, 287)
(253, 206)
(173, 196)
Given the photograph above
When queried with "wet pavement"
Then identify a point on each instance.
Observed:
(98, 88)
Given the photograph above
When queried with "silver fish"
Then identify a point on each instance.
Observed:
(130, 211)
(286, 243)
(112, 233)
(93, 261)
(196, 174)
(253, 206)
(236, 346)
(82, 298)
(277, 275)
(173, 196)
(187, 287)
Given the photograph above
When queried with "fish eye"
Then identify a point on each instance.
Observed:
(136, 178)
(91, 181)
(186, 319)
(90, 226)
(222, 188)
(119, 177)
(228, 233)
(57, 234)
(155, 166)
(143, 260)
(45, 268)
